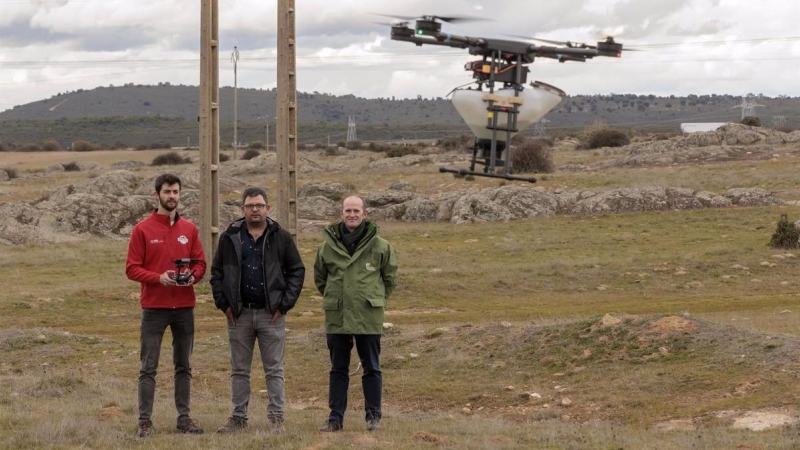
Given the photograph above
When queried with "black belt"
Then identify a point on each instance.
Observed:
(253, 306)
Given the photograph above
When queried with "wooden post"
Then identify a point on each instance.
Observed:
(286, 123)
(209, 126)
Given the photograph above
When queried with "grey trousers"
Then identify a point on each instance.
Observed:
(154, 323)
(254, 325)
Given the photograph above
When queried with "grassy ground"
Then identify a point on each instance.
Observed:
(484, 316)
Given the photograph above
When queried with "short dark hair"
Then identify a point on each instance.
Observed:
(254, 191)
(166, 178)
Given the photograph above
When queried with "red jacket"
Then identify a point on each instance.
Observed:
(153, 249)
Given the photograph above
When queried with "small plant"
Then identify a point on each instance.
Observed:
(71, 167)
(170, 159)
(341, 143)
(605, 137)
(353, 145)
(250, 154)
(256, 145)
(460, 142)
(12, 173)
(29, 147)
(786, 235)
(84, 146)
(51, 145)
(141, 147)
(401, 150)
(532, 155)
(751, 121)
(223, 157)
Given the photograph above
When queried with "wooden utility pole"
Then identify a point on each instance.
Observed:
(209, 126)
(286, 123)
(235, 59)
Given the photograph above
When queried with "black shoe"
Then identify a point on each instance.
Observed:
(331, 426)
(373, 424)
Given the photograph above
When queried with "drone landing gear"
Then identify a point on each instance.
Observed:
(482, 154)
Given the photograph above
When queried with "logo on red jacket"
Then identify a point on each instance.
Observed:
(183, 240)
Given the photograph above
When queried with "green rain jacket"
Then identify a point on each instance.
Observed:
(355, 288)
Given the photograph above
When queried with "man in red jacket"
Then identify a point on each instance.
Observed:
(157, 242)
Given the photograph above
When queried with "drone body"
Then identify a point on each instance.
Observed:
(499, 114)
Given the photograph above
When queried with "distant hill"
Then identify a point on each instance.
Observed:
(133, 115)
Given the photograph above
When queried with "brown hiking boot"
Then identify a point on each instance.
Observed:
(373, 424)
(331, 426)
(145, 429)
(188, 425)
(276, 425)
(234, 424)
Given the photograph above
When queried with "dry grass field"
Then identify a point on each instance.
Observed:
(657, 330)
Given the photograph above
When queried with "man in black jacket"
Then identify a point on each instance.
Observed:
(256, 277)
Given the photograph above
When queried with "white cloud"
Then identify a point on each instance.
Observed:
(341, 51)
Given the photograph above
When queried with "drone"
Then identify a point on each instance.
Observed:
(506, 107)
(182, 276)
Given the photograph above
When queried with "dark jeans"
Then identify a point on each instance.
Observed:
(181, 324)
(369, 351)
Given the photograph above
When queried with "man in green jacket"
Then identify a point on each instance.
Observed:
(355, 271)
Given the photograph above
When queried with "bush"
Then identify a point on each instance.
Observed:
(51, 145)
(29, 147)
(786, 235)
(533, 155)
(170, 159)
(378, 147)
(12, 173)
(341, 143)
(83, 146)
(250, 154)
(141, 147)
(6, 147)
(159, 145)
(71, 167)
(401, 150)
(460, 142)
(353, 145)
(751, 121)
(225, 146)
(223, 157)
(605, 137)
(258, 145)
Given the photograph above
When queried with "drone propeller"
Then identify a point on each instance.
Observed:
(570, 44)
(393, 23)
(448, 19)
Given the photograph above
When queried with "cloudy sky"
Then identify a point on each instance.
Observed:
(689, 46)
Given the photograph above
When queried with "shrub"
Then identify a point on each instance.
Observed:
(353, 145)
(401, 150)
(341, 143)
(29, 147)
(170, 159)
(751, 121)
(6, 147)
(71, 167)
(158, 145)
(533, 155)
(51, 145)
(378, 147)
(250, 154)
(460, 142)
(141, 147)
(83, 146)
(258, 145)
(223, 157)
(605, 137)
(786, 235)
(225, 146)
(12, 173)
